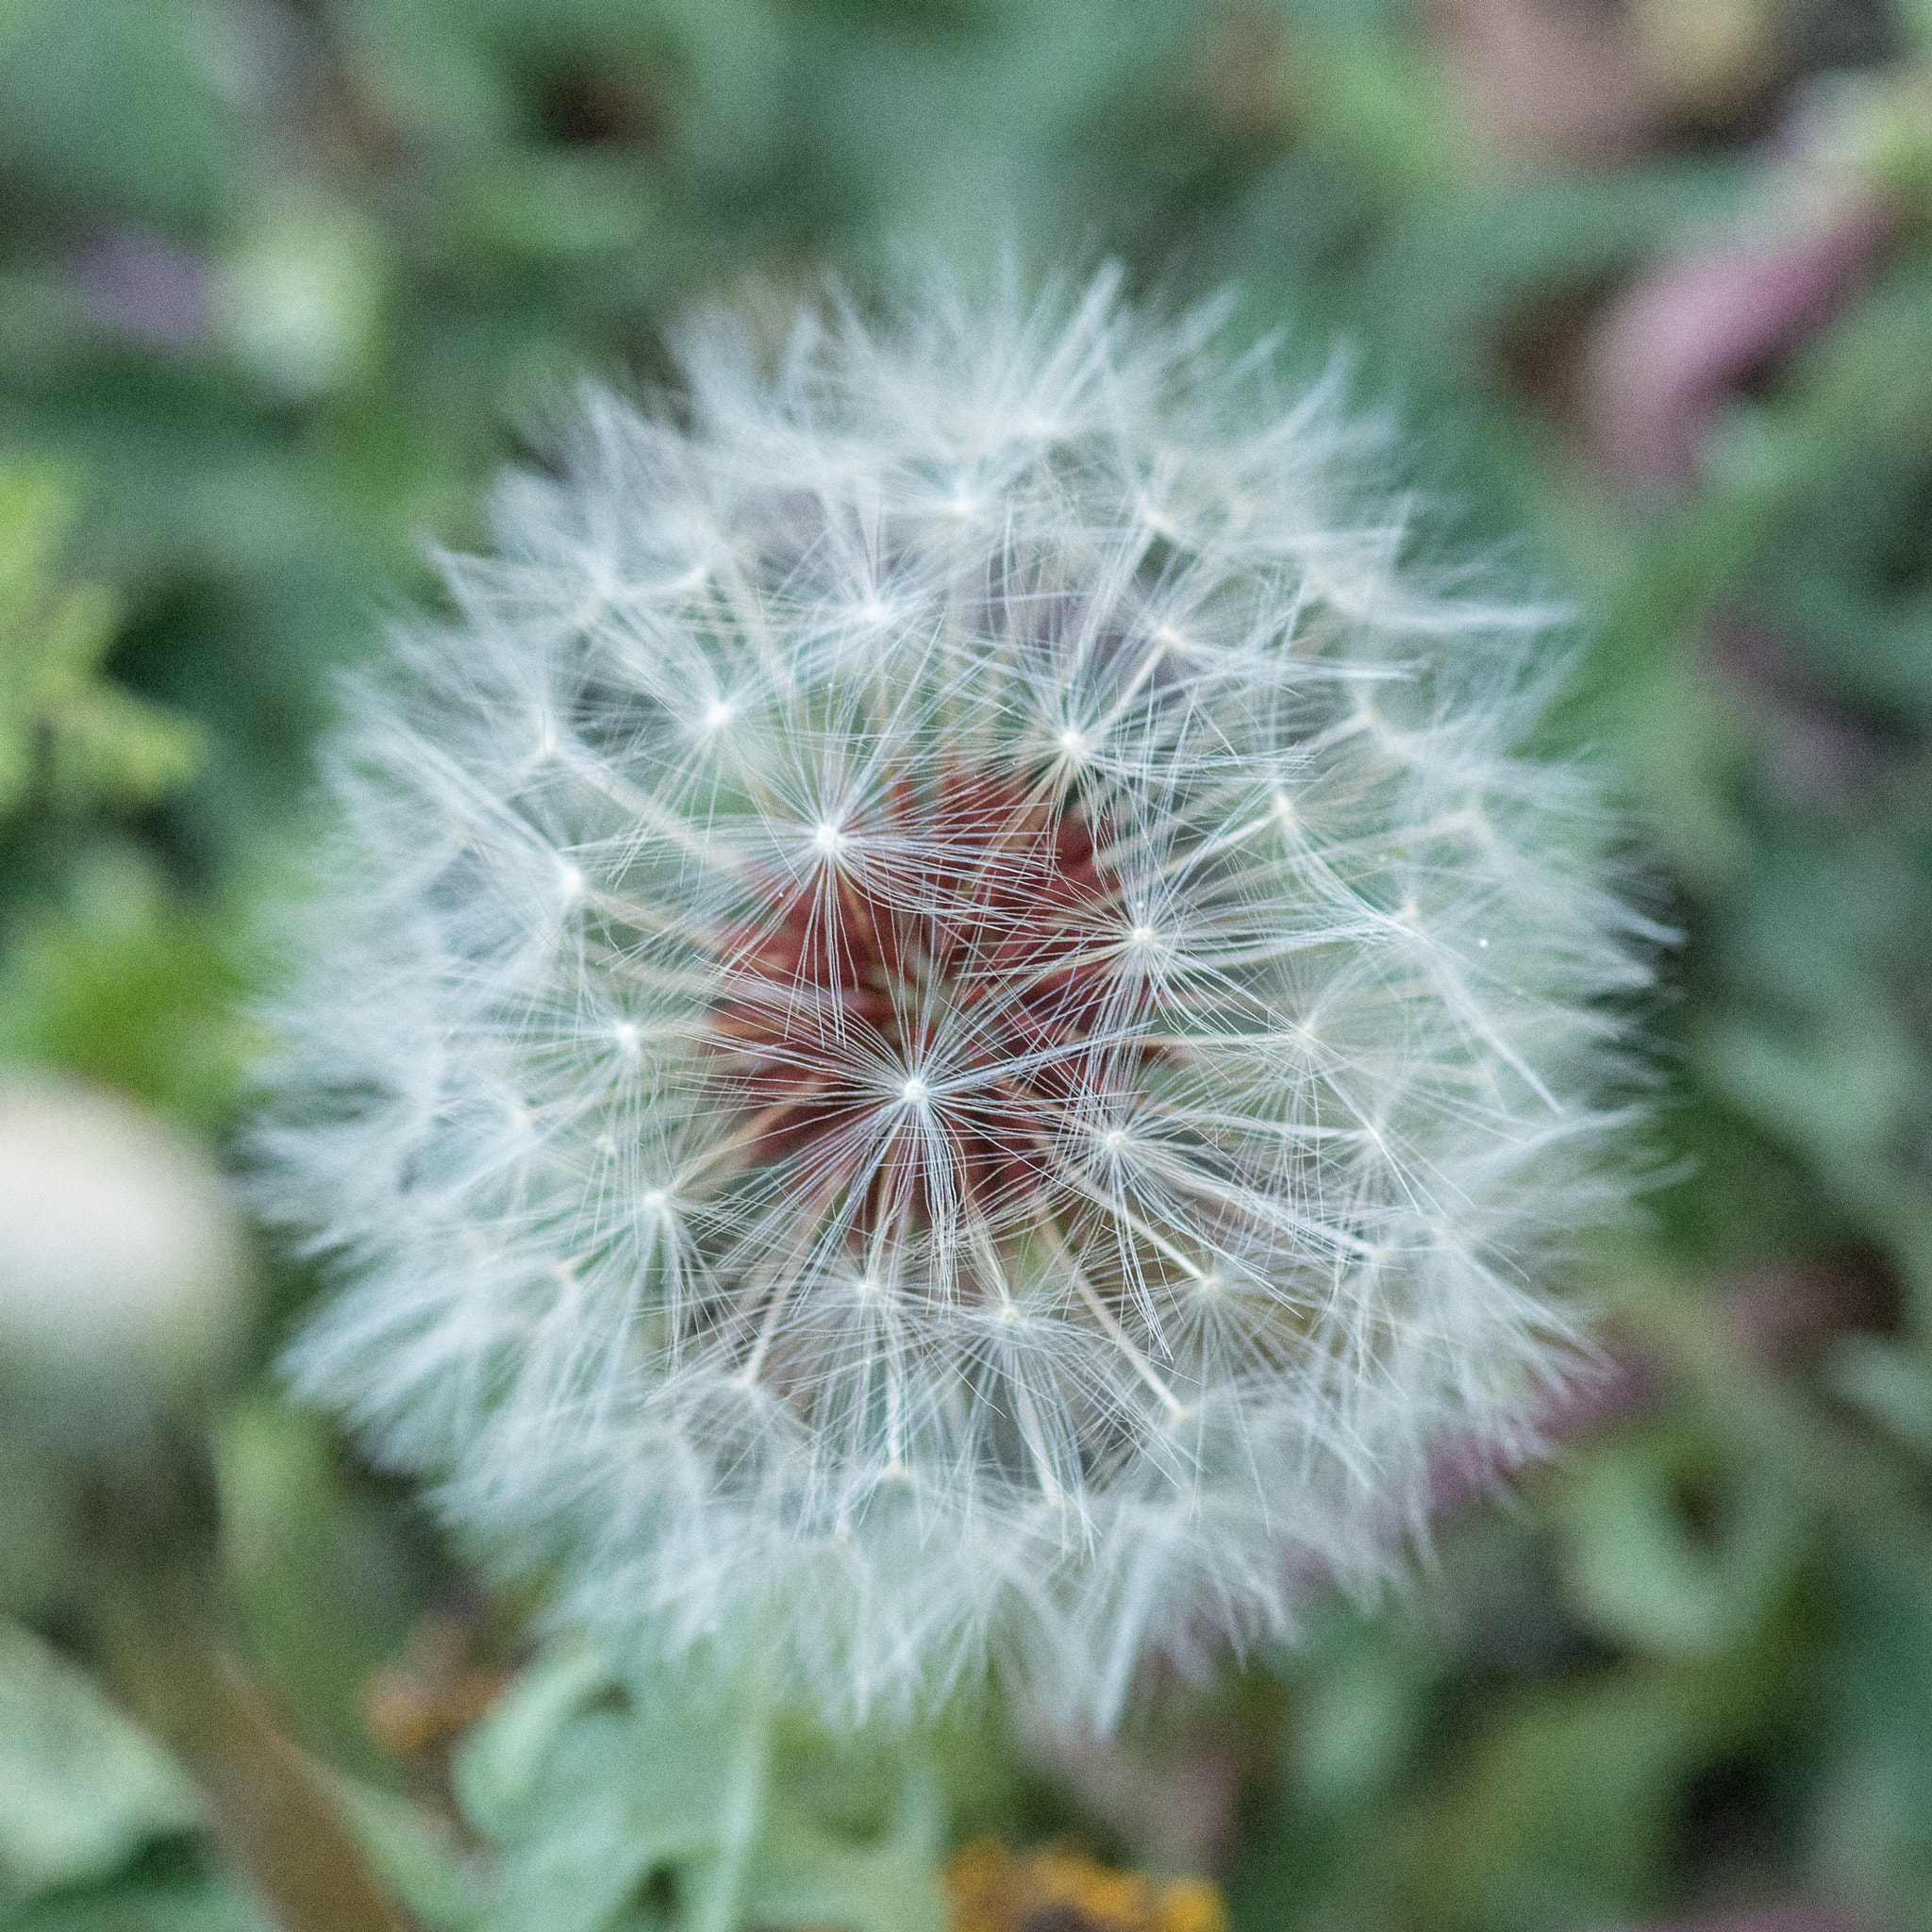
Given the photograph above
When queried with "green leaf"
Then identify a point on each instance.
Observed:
(170, 1900)
(62, 728)
(325, 1576)
(115, 102)
(119, 981)
(500, 1769)
(1639, 1570)
(1561, 1811)
(81, 1788)
(615, 1802)
(1893, 1385)
(1357, 1724)
(586, 1801)
(1871, 1836)
(660, 1807)
(418, 1855)
(804, 1874)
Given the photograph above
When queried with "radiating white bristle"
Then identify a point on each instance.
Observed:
(1280, 1197)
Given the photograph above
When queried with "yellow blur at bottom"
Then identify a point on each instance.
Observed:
(1051, 1890)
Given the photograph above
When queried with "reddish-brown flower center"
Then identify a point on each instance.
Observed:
(920, 1016)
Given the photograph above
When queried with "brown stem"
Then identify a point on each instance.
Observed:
(149, 1531)
(267, 1801)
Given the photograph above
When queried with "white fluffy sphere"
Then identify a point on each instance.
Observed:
(948, 1020)
(122, 1276)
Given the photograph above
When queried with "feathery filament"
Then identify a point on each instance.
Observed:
(948, 1022)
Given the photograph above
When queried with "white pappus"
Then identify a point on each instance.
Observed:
(948, 1024)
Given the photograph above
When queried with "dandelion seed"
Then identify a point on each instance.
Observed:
(1024, 1238)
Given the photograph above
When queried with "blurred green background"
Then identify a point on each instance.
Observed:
(1650, 281)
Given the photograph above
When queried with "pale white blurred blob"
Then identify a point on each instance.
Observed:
(123, 1272)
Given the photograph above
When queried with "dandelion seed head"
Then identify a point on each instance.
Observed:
(1016, 1152)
